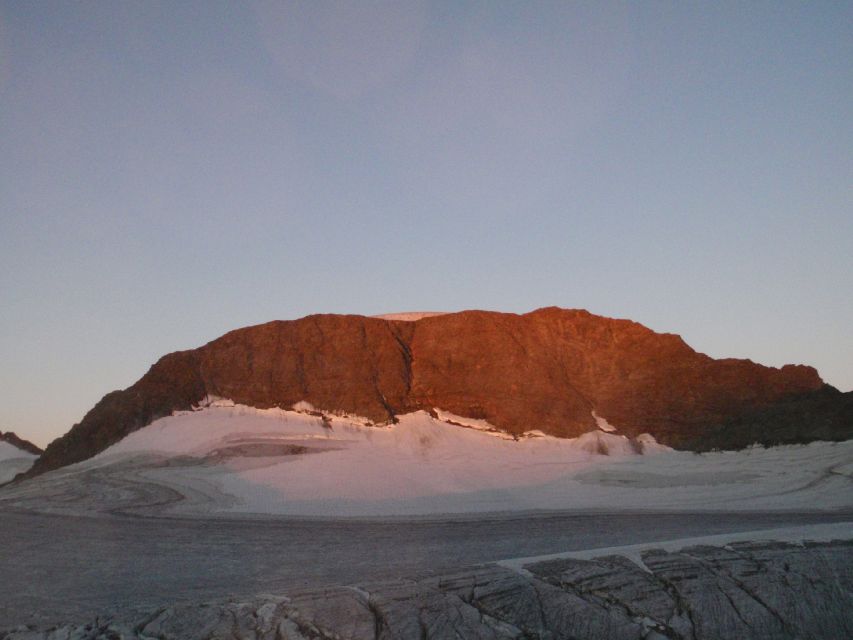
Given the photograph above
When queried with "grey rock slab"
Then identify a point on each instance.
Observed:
(233, 620)
(717, 606)
(617, 582)
(538, 609)
(338, 612)
(745, 591)
(129, 565)
(806, 587)
(417, 610)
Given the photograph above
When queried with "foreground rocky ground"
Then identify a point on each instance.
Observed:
(742, 590)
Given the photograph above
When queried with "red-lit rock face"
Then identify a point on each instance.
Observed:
(546, 370)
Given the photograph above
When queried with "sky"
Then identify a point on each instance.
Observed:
(172, 171)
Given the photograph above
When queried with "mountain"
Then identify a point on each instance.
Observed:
(563, 372)
(24, 445)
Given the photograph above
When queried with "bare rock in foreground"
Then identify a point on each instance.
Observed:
(744, 591)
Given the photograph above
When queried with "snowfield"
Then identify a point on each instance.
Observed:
(13, 461)
(410, 316)
(231, 459)
(242, 501)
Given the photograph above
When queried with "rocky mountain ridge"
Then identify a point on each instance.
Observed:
(24, 445)
(549, 370)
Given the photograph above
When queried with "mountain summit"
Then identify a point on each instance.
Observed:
(560, 371)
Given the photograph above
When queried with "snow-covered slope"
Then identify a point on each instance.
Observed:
(236, 459)
(410, 316)
(13, 461)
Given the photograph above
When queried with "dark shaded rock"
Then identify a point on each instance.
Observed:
(546, 370)
(825, 414)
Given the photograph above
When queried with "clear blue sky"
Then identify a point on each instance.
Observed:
(170, 171)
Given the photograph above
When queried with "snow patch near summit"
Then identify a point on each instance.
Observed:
(410, 316)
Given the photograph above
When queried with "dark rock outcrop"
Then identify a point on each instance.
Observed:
(825, 414)
(24, 445)
(548, 370)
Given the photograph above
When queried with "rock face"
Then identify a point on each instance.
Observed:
(746, 591)
(548, 370)
(20, 443)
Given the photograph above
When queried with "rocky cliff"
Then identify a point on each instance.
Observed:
(549, 369)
